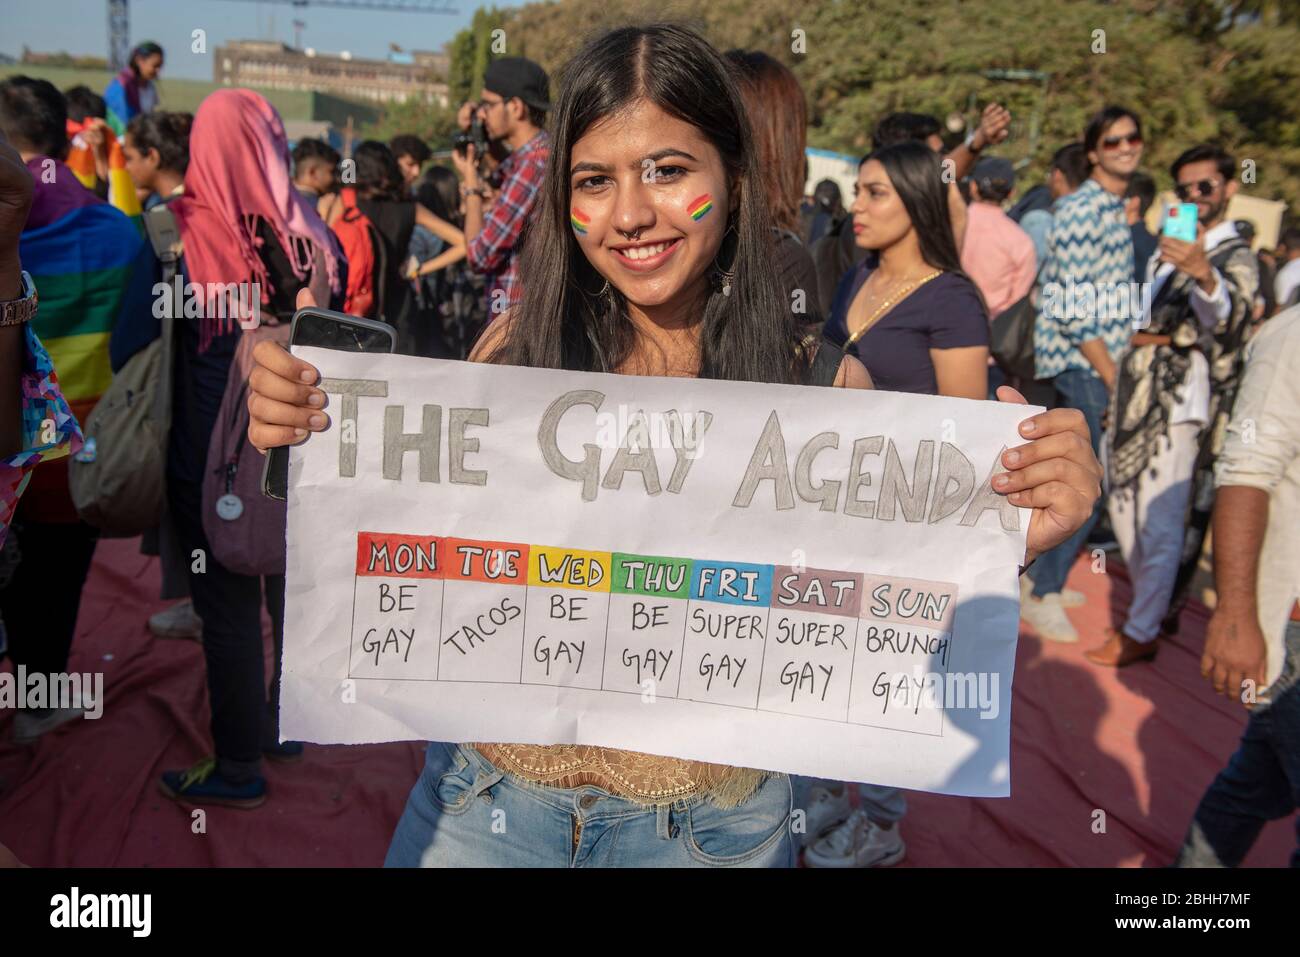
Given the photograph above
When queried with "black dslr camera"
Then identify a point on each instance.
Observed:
(475, 135)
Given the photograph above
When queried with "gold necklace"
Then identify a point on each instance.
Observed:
(888, 303)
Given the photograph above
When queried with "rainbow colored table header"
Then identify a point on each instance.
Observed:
(818, 590)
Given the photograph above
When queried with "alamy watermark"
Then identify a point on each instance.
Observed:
(933, 690)
(241, 301)
(88, 910)
(1130, 301)
(18, 689)
(637, 430)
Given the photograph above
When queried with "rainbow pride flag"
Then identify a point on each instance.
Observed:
(579, 220)
(700, 207)
(121, 191)
(82, 265)
(88, 267)
(81, 160)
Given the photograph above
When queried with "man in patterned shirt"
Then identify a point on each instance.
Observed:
(1080, 334)
(1172, 403)
(513, 109)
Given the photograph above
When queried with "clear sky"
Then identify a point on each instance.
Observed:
(81, 27)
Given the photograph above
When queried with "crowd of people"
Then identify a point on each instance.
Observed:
(561, 237)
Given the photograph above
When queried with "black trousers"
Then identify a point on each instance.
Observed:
(243, 717)
(41, 601)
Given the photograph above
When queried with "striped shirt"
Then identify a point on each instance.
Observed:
(1089, 254)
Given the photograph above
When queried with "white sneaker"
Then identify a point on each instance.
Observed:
(1047, 616)
(28, 727)
(825, 809)
(178, 621)
(857, 842)
(1069, 598)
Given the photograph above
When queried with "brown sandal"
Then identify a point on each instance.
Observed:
(1119, 650)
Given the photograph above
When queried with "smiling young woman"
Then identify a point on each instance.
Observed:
(650, 254)
(656, 181)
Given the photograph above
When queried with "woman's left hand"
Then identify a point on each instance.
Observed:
(1056, 474)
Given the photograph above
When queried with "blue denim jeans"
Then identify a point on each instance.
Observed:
(466, 812)
(1261, 782)
(1086, 392)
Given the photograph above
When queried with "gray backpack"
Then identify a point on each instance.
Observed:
(117, 480)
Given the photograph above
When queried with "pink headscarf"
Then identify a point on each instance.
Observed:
(239, 175)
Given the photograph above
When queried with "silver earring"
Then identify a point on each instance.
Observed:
(598, 293)
(723, 278)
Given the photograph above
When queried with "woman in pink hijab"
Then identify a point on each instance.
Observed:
(238, 195)
(250, 242)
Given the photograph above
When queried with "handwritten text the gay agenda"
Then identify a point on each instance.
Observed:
(941, 485)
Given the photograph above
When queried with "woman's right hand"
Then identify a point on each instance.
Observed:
(284, 406)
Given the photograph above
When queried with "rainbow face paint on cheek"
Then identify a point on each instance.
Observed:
(579, 220)
(700, 207)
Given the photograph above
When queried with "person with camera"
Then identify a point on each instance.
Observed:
(510, 114)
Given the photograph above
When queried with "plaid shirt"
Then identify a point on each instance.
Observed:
(493, 252)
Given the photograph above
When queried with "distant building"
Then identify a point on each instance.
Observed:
(295, 130)
(61, 58)
(277, 66)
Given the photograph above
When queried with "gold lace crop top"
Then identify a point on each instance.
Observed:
(644, 778)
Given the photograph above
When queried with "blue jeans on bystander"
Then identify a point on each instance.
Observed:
(1082, 390)
(1262, 780)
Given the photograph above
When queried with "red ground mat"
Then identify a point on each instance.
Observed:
(1140, 745)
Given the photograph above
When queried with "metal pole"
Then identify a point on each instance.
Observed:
(119, 34)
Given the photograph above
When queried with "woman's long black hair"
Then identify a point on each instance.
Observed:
(378, 175)
(437, 190)
(916, 172)
(143, 52)
(168, 133)
(564, 320)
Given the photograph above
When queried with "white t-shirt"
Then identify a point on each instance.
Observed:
(1288, 278)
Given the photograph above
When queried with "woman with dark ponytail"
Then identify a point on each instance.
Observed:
(650, 253)
(917, 322)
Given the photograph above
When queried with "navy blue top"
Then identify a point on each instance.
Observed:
(1144, 247)
(945, 313)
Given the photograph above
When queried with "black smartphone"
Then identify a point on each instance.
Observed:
(329, 330)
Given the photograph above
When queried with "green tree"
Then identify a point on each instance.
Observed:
(432, 123)
(471, 50)
(1218, 70)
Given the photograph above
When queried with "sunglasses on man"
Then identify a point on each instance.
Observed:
(1204, 187)
(1115, 142)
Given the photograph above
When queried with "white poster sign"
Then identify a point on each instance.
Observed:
(810, 580)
